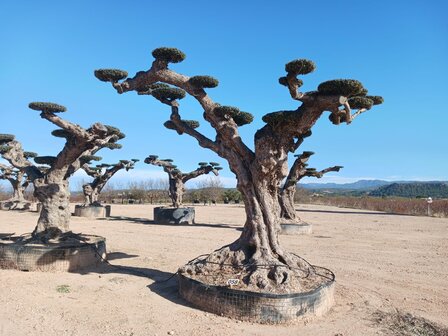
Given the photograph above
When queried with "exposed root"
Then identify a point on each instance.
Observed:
(52, 236)
(263, 274)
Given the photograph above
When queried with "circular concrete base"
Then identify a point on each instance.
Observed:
(296, 229)
(259, 307)
(68, 256)
(93, 211)
(15, 205)
(167, 215)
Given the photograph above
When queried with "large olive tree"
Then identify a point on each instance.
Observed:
(101, 174)
(262, 263)
(51, 178)
(177, 179)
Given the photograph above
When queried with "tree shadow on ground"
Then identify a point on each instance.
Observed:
(146, 221)
(164, 283)
(6, 235)
(351, 212)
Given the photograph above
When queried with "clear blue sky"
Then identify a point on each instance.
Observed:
(398, 49)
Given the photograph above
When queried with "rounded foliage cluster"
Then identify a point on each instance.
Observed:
(88, 158)
(112, 145)
(115, 130)
(307, 154)
(300, 67)
(61, 133)
(169, 124)
(4, 149)
(343, 87)
(360, 102)
(204, 81)
(191, 123)
(5, 138)
(274, 118)
(147, 88)
(168, 93)
(243, 118)
(377, 100)
(47, 107)
(169, 55)
(284, 81)
(217, 168)
(203, 164)
(222, 111)
(214, 163)
(46, 160)
(104, 165)
(110, 75)
(337, 118)
(307, 134)
(28, 155)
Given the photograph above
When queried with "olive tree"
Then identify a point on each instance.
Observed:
(50, 176)
(259, 171)
(101, 174)
(177, 179)
(299, 170)
(18, 179)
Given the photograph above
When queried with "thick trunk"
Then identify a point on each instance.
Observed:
(257, 254)
(286, 201)
(18, 190)
(91, 194)
(176, 190)
(55, 215)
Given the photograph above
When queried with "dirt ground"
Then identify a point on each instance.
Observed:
(382, 262)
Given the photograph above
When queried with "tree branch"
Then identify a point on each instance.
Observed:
(319, 174)
(226, 129)
(198, 172)
(182, 127)
(73, 129)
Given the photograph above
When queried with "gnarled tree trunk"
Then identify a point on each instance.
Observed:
(176, 190)
(54, 195)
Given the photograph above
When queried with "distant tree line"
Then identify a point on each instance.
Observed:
(413, 190)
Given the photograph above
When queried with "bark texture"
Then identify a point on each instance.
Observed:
(51, 186)
(177, 179)
(259, 172)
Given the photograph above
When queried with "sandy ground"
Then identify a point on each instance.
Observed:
(381, 261)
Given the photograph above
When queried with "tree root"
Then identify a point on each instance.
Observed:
(264, 274)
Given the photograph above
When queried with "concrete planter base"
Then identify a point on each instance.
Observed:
(167, 215)
(66, 256)
(15, 205)
(92, 211)
(259, 307)
(296, 229)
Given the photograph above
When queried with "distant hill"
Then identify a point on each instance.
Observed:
(358, 185)
(414, 189)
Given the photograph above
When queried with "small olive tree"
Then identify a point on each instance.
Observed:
(298, 171)
(177, 179)
(101, 174)
(18, 179)
(51, 179)
(259, 171)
